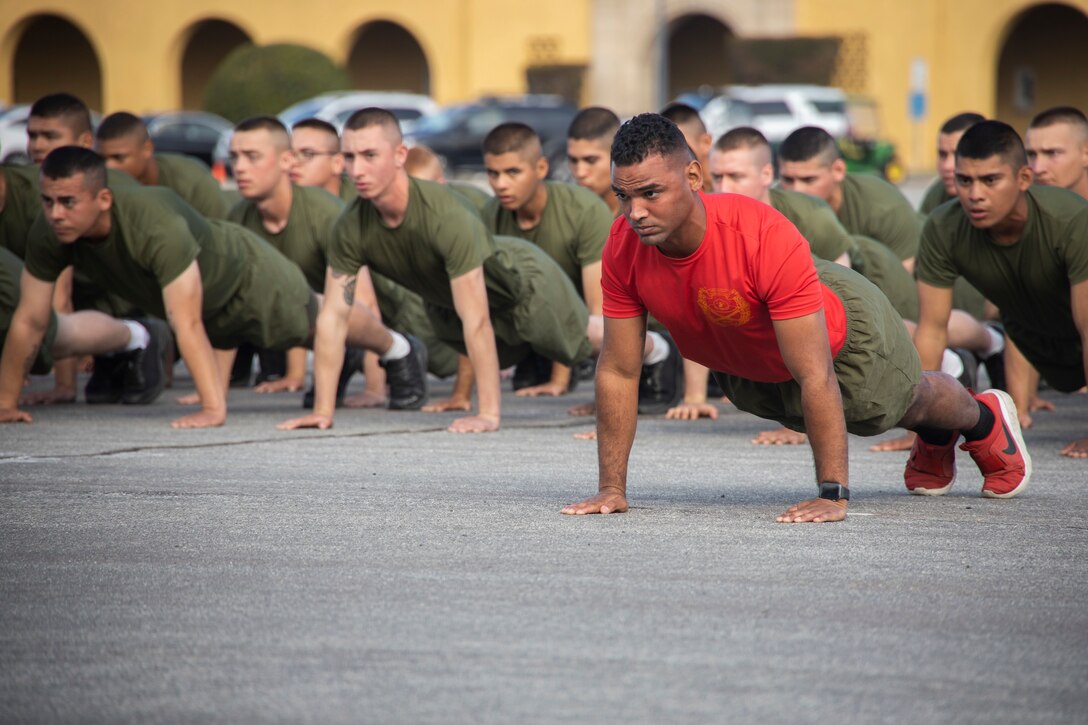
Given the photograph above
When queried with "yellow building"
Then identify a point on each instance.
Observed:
(1003, 58)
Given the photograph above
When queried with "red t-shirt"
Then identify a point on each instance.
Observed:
(752, 267)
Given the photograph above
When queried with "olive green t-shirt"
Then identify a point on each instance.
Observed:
(305, 238)
(874, 208)
(936, 195)
(816, 221)
(440, 239)
(1029, 280)
(572, 230)
(193, 182)
(154, 237)
(477, 196)
(21, 205)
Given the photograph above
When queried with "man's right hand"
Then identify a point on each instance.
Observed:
(14, 415)
(321, 422)
(608, 502)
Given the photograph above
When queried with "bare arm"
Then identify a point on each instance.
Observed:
(329, 342)
(470, 301)
(618, 371)
(931, 335)
(24, 339)
(591, 288)
(184, 300)
(807, 354)
(64, 369)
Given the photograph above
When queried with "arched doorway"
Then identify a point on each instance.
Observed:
(210, 41)
(1039, 64)
(386, 57)
(54, 55)
(698, 53)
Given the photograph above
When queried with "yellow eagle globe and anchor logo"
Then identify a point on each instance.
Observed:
(724, 307)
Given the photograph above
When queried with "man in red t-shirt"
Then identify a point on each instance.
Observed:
(807, 343)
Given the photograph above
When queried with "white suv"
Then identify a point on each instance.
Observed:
(778, 110)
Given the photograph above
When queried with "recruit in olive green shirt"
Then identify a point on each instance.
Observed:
(874, 208)
(440, 239)
(305, 238)
(572, 230)
(154, 237)
(1029, 280)
(192, 181)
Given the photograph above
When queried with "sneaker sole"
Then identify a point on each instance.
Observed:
(1012, 420)
(935, 491)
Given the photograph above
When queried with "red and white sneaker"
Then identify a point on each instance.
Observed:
(931, 470)
(1001, 456)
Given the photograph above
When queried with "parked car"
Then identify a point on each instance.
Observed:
(723, 113)
(456, 134)
(193, 133)
(13, 135)
(778, 110)
(409, 108)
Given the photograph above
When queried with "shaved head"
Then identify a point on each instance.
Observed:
(513, 137)
(367, 117)
(281, 137)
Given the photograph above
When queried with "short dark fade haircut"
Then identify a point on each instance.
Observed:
(121, 124)
(741, 137)
(262, 123)
(316, 124)
(64, 106)
(510, 137)
(645, 135)
(372, 116)
(807, 143)
(1059, 114)
(593, 123)
(67, 161)
(682, 113)
(961, 122)
(992, 138)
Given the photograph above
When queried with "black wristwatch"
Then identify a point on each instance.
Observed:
(834, 491)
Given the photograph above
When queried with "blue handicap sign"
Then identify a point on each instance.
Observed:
(917, 105)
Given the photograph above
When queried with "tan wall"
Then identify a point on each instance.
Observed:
(961, 40)
(472, 46)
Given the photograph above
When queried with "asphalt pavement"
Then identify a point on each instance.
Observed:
(387, 571)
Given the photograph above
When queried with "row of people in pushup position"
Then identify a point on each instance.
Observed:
(416, 275)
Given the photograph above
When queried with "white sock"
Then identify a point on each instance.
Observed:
(997, 342)
(400, 347)
(138, 336)
(951, 363)
(660, 349)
